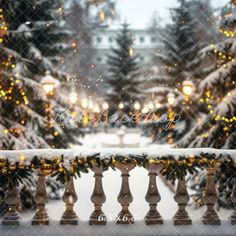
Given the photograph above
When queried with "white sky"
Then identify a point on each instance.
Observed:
(139, 12)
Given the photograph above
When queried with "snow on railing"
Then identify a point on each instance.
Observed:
(175, 164)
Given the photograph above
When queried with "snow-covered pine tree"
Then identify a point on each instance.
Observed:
(33, 43)
(217, 106)
(123, 74)
(217, 97)
(181, 40)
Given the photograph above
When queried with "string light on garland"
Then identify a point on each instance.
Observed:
(15, 171)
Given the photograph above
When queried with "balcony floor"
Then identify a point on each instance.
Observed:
(138, 228)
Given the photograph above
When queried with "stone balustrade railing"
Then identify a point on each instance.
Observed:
(174, 163)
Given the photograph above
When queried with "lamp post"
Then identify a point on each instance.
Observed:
(49, 84)
(121, 105)
(96, 111)
(85, 115)
(137, 110)
(145, 112)
(105, 107)
(171, 100)
(73, 97)
(91, 115)
(187, 89)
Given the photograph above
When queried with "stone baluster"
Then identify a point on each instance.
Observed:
(40, 198)
(69, 217)
(12, 199)
(210, 217)
(233, 197)
(98, 198)
(125, 197)
(153, 196)
(182, 198)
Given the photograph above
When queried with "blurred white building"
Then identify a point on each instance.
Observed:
(145, 44)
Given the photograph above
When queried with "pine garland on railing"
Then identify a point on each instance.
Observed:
(13, 172)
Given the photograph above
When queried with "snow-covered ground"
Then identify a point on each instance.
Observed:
(132, 136)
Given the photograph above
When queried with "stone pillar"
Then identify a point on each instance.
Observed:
(153, 196)
(12, 199)
(98, 198)
(211, 217)
(182, 198)
(69, 217)
(125, 197)
(40, 198)
(233, 197)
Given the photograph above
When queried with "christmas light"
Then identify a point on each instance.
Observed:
(105, 106)
(187, 88)
(137, 106)
(121, 105)
(171, 98)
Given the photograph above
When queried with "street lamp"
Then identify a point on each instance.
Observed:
(73, 97)
(171, 101)
(158, 105)
(96, 108)
(90, 105)
(121, 105)
(171, 98)
(137, 107)
(84, 105)
(105, 107)
(187, 88)
(49, 84)
(145, 109)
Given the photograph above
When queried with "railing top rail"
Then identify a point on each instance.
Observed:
(153, 152)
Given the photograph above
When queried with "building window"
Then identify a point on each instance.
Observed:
(142, 59)
(110, 39)
(99, 39)
(141, 39)
(153, 39)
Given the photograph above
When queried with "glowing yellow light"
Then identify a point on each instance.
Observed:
(131, 52)
(84, 103)
(171, 98)
(121, 105)
(137, 106)
(22, 157)
(105, 106)
(102, 16)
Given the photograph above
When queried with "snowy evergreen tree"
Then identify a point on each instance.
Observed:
(182, 39)
(34, 42)
(217, 109)
(217, 96)
(123, 74)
